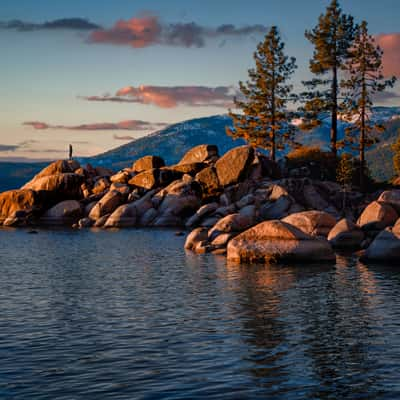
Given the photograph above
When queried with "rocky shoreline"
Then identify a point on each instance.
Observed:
(238, 205)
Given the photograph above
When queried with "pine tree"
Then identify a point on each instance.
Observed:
(264, 121)
(365, 78)
(332, 38)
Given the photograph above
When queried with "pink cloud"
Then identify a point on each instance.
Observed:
(136, 32)
(148, 31)
(173, 96)
(390, 44)
(129, 125)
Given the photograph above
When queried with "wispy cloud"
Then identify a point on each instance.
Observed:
(76, 24)
(8, 147)
(129, 125)
(173, 96)
(390, 44)
(126, 137)
(149, 30)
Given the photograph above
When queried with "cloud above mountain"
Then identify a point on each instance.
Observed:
(129, 125)
(76, 24)
(390, 44)
(172, 96)
(149, 30)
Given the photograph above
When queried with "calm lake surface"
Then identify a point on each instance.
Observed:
(130, 315)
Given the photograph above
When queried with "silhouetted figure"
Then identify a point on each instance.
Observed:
(70, 151)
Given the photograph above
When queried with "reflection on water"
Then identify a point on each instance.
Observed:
(129, 315)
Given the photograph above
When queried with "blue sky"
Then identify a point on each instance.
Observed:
(47, 73)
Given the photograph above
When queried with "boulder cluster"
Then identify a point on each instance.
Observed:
(237, 204)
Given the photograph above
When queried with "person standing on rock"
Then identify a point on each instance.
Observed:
(70, 151)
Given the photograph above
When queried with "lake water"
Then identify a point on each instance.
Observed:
(130, 315)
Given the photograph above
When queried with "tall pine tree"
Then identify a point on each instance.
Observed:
(365, 78)
(264, 121)
(332, 38)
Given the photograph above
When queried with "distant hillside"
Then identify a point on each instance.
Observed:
(172, 142)
(14, 175)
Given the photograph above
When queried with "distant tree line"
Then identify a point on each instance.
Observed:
(348, 72)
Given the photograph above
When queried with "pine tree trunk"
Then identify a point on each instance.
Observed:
(273, 144)
(334, 112)
(362, 136)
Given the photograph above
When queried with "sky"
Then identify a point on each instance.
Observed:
(99, 73)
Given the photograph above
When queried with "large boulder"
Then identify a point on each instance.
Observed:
(277, 241)
(107, 204)
(313, 223)
(123, 217)
(385, 247)
(234, 166)
(66, 212)
(391, 197)
(377, 216)
(208, 180)
(146, 180)
(346, 234)
(15, 202)
(61, 186)
(153, 178)
(200, 154)
(148, 162)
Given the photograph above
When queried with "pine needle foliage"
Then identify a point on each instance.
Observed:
(264, 118)
(365, 79)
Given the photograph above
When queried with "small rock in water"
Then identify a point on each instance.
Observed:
(33, 232)
(179, 233)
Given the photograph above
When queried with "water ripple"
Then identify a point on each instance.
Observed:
(128, 315)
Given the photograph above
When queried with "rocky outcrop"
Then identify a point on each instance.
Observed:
(221, 199)
(346, 234)
(277, 241)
